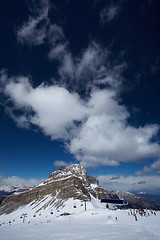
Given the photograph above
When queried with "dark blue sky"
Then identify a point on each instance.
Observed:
(80, 83)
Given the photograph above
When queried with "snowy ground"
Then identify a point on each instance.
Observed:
(96, 223)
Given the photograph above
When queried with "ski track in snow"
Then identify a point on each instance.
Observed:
(95, 223)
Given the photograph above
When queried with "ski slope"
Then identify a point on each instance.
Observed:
(96, 223)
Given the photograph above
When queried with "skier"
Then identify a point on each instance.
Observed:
(135, 217)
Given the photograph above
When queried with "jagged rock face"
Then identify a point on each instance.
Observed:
(64, 183)
(74, 169)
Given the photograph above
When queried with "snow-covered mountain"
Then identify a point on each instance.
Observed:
(151, 197)
(7, 191)
(135, 201)
(67, 184)
(70, 182)
(8, 188)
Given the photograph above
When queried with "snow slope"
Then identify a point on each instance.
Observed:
(96, 223)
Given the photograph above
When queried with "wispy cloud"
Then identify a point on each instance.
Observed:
(33, 32)
(57, 42)
(109, 13)
(89, 69)
(155, 66)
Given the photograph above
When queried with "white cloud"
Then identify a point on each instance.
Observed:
(105, 138)
(109, 13)
(148, 184)
(33, 32)
(96, 129)
(7, 183)
(53, 109)
(154, 168)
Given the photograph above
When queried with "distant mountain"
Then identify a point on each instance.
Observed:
(4, 194)
(7, 191)
(66, 183)
(137, 201)
(151, 197)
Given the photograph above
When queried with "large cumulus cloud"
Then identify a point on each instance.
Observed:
(95, 129)
(82, 105)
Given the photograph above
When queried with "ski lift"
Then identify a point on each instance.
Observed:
(113, 204)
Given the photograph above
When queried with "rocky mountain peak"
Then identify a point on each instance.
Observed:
(73, 170)
(71, 182)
